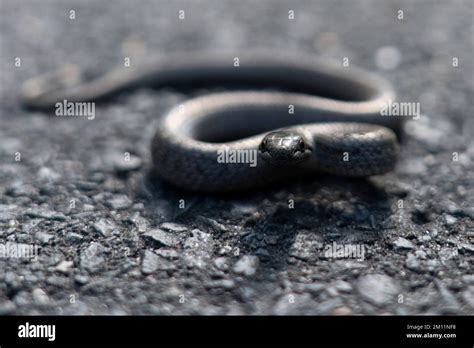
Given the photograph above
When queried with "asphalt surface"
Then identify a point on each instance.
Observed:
(114, 240)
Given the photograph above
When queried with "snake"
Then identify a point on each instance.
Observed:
(285, 116)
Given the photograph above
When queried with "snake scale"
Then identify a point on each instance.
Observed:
(291, 115)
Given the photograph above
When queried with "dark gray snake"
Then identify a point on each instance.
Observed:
(323, 118)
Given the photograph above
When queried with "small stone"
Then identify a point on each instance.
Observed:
(91, 258)
(388, 57)
(119, 202)
(7, 308)
(294, 304)
(88, 207)
(247, 265)
(198, 249)
(263, 254)
(18, 189)
(221, 263)
(402, 244)
(48, 174)
(398, 189)
(343, 286)
(123, 164)
(377, 289)
(45, 214)
(213, 224)
(149, 262)
(328, 306)
(171, 226)
(450, 220)
(73, 238)
(40, 297)
(420, 254)
(413, 263)
(43, 237)
(226, 284)
(104, 227)
(467, 248)
(425, 238)
(167, 253)
(81, 279)
(332, 291)
(305, 246)
(162, 238)
(468, 278)
(314, 288)
(226, 249)
(64, 266)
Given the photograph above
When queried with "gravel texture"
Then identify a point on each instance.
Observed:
(113, 240)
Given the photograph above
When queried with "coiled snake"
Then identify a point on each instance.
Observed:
(324, 117)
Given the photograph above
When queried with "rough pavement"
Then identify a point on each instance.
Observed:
(115, 241)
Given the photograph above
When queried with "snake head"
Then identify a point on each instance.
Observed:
(285, 147)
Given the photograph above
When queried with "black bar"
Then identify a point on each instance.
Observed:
(242, 330)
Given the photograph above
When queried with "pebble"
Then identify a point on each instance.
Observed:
(167, 253)
(377, 289)
(40, 297)
(119, 202)
(198, 249)
(161, 237)
(43, 237)
(247, 265)
(466, 247)
(412, 263)
(81, 279)
(450, 220)
(104, 227)
(468, 278)
(48, 174)
(213, 224)
(305, 246)
(73, 238)
(221, 263)
(124, 164)
(7, 307)
(64, 266)
(402, 244)
(91, 258)
(19, 189)
(173, 227)
(343, 286)
(226, 284)
(292, 304)
(149, 262)
(329, 306)
(45, 214)
(313, 288)
(388, 57)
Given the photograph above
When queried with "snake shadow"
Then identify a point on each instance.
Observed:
(281, 224)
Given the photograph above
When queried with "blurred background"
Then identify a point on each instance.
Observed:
(246, 254)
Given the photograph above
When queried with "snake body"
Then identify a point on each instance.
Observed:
(323, 118)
